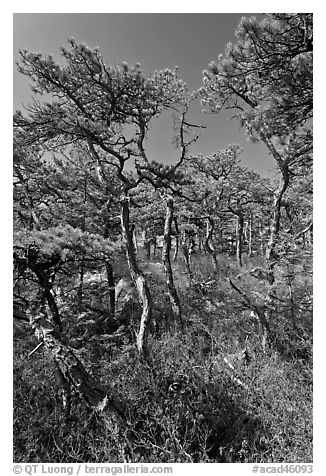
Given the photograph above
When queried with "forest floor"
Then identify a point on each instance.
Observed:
(211, 394)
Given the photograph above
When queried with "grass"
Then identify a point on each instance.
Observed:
(187, 407)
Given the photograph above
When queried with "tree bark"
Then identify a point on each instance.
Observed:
(239, 234)
(210, 225)
(110, 278)
(247, 233)
(258, 313)
(103, 400)
(261, 237)
(134, 237)
(47, 290)
(139, 280)
(187, 247)
(172, 292)
(289, 278)
(250, 235)
(45, 273)
(147, 245)
(176, 249)
(276, 217)
(34, 221)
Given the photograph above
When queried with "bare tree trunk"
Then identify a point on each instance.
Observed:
(105, 401)
(176, 250)
(200, 243)
(289, 278)
(309, 236)
(172, 292)
(110, 278)
(186, 251)
(306, 234)
(250, 235)
(134, 238)
(138, 278)
(239, 234)
(210, 225)
(258, 313)
(46, 286)
(247, 233)
(276, 218)
(45, 273)
(261, 236)
(33, 221)
(65, 391)
(154, 242)
(147, 245)
(191, 248)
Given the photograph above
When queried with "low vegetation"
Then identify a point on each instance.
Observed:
(189, 405)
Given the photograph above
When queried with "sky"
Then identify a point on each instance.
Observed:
(157, 41)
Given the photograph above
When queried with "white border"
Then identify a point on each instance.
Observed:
(6, 201)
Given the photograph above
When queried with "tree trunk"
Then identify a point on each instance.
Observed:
(239, 234)
(247, 233)
(47, 290)
(186, 251)
(110, 278)
(176, 249)
(34, 221)
(147, 245)
(134, 237)
(309, 236)
(261, 237)
(154, 243)
(172, 292)
(276, 218)
(104, 401)
(289, 278)
(200, 244)
(258, 312)
(138, 278)
(66, 395)
(210, 225)
(250, 236)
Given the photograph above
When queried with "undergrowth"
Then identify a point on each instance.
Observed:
(189, 405)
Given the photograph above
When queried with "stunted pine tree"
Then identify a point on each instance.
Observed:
(109, 110)
(265, 79)
(212, 175)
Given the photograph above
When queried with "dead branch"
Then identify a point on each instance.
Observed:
(105, 401)
(257, 311)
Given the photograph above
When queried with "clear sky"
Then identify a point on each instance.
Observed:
(157, 41)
